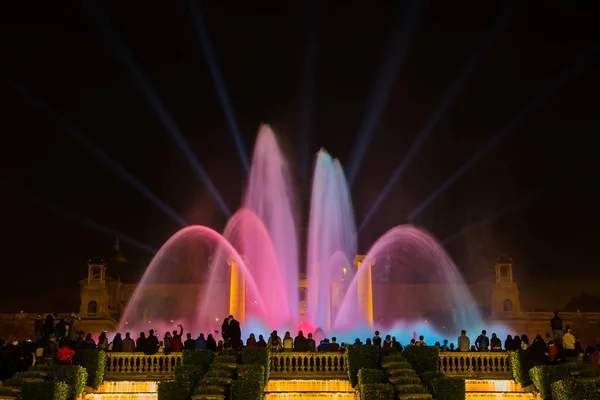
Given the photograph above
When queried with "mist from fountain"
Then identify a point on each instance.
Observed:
(264, 231)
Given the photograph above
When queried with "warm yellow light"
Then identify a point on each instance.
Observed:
(149, 322)
(171, 321)
(126, 323)
(344, 269)
(217, 319)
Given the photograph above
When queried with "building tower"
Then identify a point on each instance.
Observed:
(94, 291)
(506, 302)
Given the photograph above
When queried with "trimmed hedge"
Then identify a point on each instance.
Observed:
(257, 356)
(423, 358)
(367, 376)
(543, 376)
(200, 357)
(51, 390)
(173, 390)
(442, 388)
(570, 389)
(250, 384)
(7, 393)
(94, 362)
(520, 366)
(188, 373)
(73, 375)
(360, 356)
(377, 391)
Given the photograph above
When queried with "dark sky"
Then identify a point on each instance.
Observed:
(60, 55)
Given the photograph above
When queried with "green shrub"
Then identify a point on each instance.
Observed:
(423, 358)
(7, 393)
(570, 389)
(250, 384)
(520, 366)
(396, 365)
(216, 381)
(411, 389)
(73, 375)
(395, 357)
(368, 376)
(94, 362)
(575, 365)
(30, 374)
(377, 391)
(405, 380)
(211, 389)
(589, 373)
(188, 373)
(443, 388)
(174, 390)
(544, 375)
(13, 381)
(257, 356)
(201, 357)
(219, 373)
(50, 390)
(359, 356)
(225, 359)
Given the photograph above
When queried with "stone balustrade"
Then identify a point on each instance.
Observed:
(297, 365)
(140, 364)
(459, 363)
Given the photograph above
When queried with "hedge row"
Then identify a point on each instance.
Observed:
(257, 356)
(359, 356)
(95, 363)
(442, 388)
(250, 384)
(186, 376)
(570, 389)
(49, 390)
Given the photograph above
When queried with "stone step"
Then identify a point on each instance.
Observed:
(414, 396)
(410, 389)
(501, 395)
(401, 372)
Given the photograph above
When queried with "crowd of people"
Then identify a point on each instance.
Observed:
(57, 340)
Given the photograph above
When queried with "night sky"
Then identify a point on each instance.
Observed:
(270, 55)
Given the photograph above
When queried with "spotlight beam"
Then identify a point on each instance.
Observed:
(312, 18)
(513, 124)
(525, 201)
(196, 15)
(75, 134)
(114, 43)
(380, 92)
(75, 217)
(481, 50)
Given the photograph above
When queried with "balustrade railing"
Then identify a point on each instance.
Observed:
(459, 363)
(293, 364)
(128, 364)
(297, 365)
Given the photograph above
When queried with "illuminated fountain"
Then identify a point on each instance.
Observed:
(252, 271)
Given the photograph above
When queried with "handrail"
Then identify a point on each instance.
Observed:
(290, 364)
(122, 363)
(471, 363)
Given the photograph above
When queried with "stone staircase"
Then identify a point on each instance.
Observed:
(216, 382)
(404, 378)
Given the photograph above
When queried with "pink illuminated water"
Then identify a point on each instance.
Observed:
(188, 281)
